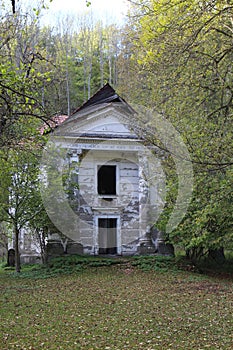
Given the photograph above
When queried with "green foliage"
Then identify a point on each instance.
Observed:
(180, 59)
(25, 76)
(84, 55)
(19, 202)
(155, 263)
(66, 265)
(72, 261)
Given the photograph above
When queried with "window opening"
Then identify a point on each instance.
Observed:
(106, 184)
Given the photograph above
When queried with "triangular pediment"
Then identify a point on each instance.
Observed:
(104, 115)
(101, 121)
(105, 125)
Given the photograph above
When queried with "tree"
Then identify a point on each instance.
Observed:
(40, 224)
(182, 52)
(18, 181)
(84, 53)
(24, 76)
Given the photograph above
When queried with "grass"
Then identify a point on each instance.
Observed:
(114, 304)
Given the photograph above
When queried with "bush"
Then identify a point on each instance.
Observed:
(154, 262)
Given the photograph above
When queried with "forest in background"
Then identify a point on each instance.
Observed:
(174, 57)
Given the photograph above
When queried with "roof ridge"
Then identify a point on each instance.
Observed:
(91, 101)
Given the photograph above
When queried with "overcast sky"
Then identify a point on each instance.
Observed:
(110, 11)
(107, 10)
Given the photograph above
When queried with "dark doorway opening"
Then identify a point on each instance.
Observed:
(106, 180)
(107, 236)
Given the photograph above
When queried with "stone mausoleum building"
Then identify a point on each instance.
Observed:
(115, 183)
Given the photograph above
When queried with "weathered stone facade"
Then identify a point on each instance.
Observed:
(115, 195)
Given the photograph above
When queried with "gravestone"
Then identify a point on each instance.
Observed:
(11, 257)
(74, 248)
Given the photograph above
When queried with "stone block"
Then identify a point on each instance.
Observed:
(54, 249)
(165, 248)
(74, 248)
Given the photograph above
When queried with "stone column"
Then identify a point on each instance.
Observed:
(144, 204)
(74, 172)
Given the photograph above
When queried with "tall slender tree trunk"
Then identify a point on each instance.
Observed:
(41, 235)
(67, 88)
(110, 70)
(101, 57)
(84, 80)
(13, 6)
(89, 79)
(67, 79)
(17, 254)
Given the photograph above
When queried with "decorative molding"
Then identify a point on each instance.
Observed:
(107, 210)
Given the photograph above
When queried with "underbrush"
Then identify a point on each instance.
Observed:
(154, 262)
(212, 267)
(70, 264)
(74, 264)
(63, 265)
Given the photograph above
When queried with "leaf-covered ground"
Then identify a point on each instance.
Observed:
(116, 307)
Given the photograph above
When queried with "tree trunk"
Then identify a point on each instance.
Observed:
(101, 57)
(17, 254)
(110, 70)
(13, 6)
(67, 81)
(89, 78)
(41, 237)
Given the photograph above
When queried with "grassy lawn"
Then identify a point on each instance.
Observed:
(116, 307)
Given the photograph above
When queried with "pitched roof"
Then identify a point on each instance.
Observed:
(105, 95)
